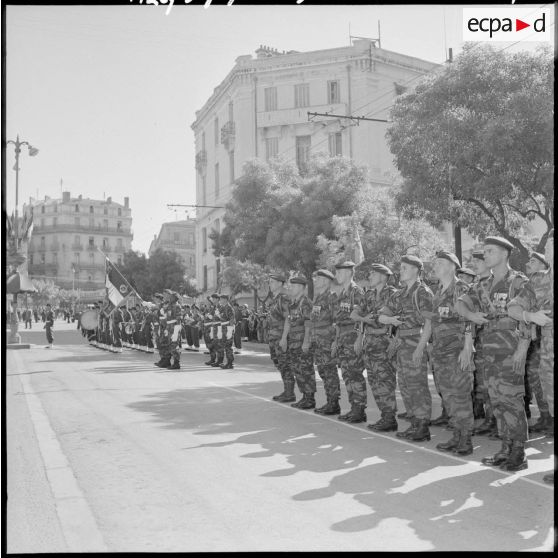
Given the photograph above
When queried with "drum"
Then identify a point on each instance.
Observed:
(89, 319)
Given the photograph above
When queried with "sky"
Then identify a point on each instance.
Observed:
(108, 93)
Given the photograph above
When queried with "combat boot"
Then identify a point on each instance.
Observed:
(544, 422)
(403, 415)
(321, 409)
(357, 414)
(516, 460)
(308, 402)
(277, 397)
(501, 456)
(549, 432)
(386, 424)
(442, 420)
(333, 408)
(299, 402)
(465, 446)
(216, 364)
(227, 366)
(175, 365)
(345, 416)
(486, 427)
(549, 478)
(452, 443)
(288, 395)
(210, 362)
(406, 433)
(163, 363)
(421, 433)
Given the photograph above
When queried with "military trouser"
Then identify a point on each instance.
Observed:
(480, 376)
(352, 368)
(225, 349)
(455, 388)
(174, 341)
(301, 365)
(116, 334)
(413, 380)
(49, 335)
(279, 358)
(546, 368)
(192, 336)
(380, 372)
(163, 344)
(327, 368)
(533, 379)
(506, 389)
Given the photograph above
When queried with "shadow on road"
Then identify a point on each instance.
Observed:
(406, 490)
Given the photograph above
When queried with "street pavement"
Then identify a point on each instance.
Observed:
(108, 453)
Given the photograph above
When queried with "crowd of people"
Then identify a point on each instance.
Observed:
(29, 316)
(484, 334)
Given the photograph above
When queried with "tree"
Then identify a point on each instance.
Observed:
(474, 144)
(47, 292)
(276, 215)
(246, 276)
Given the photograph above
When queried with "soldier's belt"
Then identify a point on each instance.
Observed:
(450, 332)
(501, 324)
(171, 322)
(224, 323)
(409, 332)
(375, 330)
(210, 324)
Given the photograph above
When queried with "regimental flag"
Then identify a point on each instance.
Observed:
(117, 287)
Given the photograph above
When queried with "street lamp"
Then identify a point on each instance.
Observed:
(33, 151)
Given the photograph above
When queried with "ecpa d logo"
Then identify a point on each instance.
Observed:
(507, 24)
(123, 288)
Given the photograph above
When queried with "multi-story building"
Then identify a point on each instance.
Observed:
(179, 237)
(70, 236)
(260, 110)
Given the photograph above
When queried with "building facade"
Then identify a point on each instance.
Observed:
(179, 237)
(70, 236)
(260, 110)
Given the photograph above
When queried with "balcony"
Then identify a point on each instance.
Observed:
(77, 247)
(44, 269)
(120, 249)
(92, 247)
(201, 160)
(228, 135)
(98, 229)
(106, 248)
(90, 267)
(285, 117)
(41, 248)
(55, 246)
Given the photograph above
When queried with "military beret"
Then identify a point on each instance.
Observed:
(298, 280)
(157, 295)
(412, 260)
(168, 291)
(345, 265)
(223, 295)
(278, 277)
(450, 256)
(324, 273)
(539, 257)
(499, 241)
(380, 268)
(214, 295)
(467, 271)
(478, 254)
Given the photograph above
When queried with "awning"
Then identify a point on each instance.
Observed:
(19, 283)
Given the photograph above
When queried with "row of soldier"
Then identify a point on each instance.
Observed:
(475, 337)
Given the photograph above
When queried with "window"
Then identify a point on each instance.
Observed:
(270, 98)
(271, 148)
(42, 208)
(55, 208)
(204, 190)
(119, 242)
(205, 278)
(105, 243)
(203, 141)
(105, 224)
(105, 211)
(77, 208)
(55, 257)
(92, 241)
(77, 240)
(217, 180)
(119, 226)
(30, 259)
(42, 223)
(91, 223)
(176, 237)
(333, 92)
(216, 130)
(89, 277)
(204, 239)
(91, 209)
(231, 114)
(119, 212)
(218, 266)
(231, 166)
(91, 258)
(77, 222)
(42, 241)
(302, 151)
(43, 258)
(335, 146)
(54, 221)
(302, 95)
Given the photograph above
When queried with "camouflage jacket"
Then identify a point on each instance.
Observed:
(492, 298)
(372, 303)
(413, 305)
(278, 311)
(299, 316)
(322, 317)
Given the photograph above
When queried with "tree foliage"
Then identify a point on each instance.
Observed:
(474, 144)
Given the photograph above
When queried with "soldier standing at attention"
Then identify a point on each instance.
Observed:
(322, 334)
(375, 340)
(211, 320)
(534, 304)
(226, 326)
(278, 322)
(537, 262)
(451, 362)
(350, 296)
(49, 324)
(299, 357)
(163, 341)
(410, 309)
(504, 351)
(174, 325)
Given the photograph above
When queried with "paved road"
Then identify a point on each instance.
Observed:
(107, 452)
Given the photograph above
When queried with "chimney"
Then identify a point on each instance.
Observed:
(109, 199)
(126, 202)
(66, 197)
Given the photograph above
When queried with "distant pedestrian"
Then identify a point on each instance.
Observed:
(28, 318)
(49, 324)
